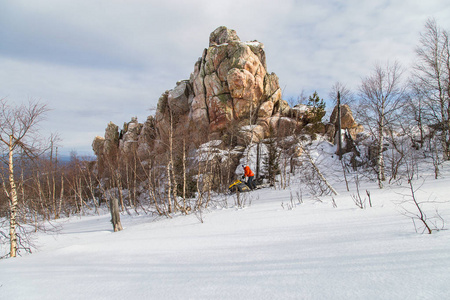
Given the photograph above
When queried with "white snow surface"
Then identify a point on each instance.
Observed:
(273, 248)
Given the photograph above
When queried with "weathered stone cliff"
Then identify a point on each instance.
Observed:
(230, 86)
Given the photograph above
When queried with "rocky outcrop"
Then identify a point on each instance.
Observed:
(222, 35)
(130, 135)
(347, 120)
(230, 84)
(109, 144)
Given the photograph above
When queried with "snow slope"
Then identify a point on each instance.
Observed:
(271, 249)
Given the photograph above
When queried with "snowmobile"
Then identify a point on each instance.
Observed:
(241, 186)
(238, 186)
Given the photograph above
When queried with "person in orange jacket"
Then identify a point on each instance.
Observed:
(250, 175)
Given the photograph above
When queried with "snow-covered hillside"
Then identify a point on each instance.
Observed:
(273, 248)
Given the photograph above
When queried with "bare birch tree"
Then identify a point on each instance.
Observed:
(381, 94)
(415, 110)
(18, 133)
(431, 79)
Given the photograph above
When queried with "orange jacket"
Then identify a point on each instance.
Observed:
(248, 172)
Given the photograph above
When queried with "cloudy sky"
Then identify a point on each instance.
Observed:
(96, 61)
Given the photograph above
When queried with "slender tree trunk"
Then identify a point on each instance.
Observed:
(49, 196)
(169, 187)
(12, 202)
(118, 179)
(210, 179)
(447, 97)
(22, 187)
(446, 128)
(258, 158)
(61, 196)
(380, 160)
(420, 125)
(172, 169)
(152, 189)
(339, 126)
(90, 186)
(54, 193)
(80, 196)
(128, 184)
(199, 192)
(134, 194)
(40, 193)
(184, 177)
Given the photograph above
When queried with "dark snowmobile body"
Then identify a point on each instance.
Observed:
(240, 186)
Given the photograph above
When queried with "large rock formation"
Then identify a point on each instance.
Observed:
(230, 84)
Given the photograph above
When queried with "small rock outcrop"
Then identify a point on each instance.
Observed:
(109, 144)
(347, 120)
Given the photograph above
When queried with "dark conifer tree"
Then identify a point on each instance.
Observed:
(318, 107)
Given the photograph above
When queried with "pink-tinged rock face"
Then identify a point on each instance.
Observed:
(251, 134)
(220, 112)
(216, 55)
(198, 110)
(282, 125)
(222, 35)
(241, 84)
(347, 120)
(265, 110)
(213, 85)
(232, 79)
(229, 83)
